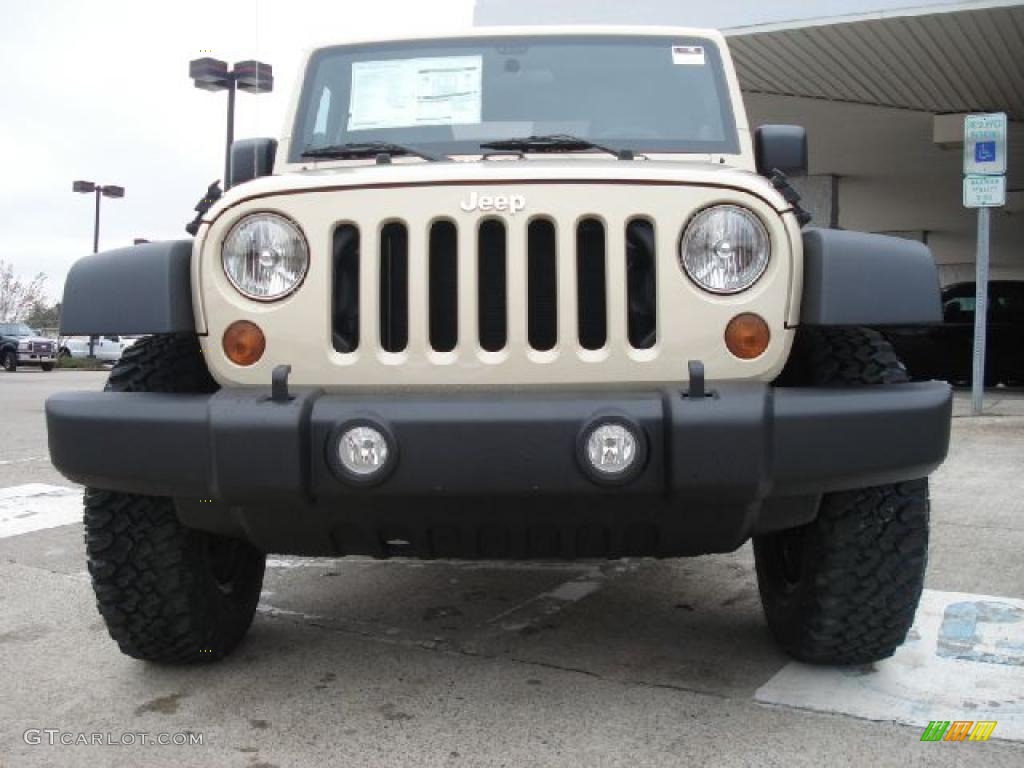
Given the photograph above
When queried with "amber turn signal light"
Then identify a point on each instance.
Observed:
(244, 342)
(747, 336)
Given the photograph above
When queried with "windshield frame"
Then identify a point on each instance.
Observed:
(718, 60)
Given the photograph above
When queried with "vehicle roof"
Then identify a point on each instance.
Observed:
(582, 30)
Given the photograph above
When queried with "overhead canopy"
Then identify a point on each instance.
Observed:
(933, 60)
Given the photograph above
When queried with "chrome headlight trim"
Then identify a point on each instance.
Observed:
(725, 249)
(261, 248)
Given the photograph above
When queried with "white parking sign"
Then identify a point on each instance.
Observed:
(984, 191)
(985, 145)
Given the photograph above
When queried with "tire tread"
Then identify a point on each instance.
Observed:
(150, 574)
(863, 558)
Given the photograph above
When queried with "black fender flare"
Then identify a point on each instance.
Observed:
(853, 278)
(143, 289)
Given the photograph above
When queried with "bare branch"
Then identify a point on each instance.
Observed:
(17, 297)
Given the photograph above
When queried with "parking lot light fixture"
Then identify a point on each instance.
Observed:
(91, 187)
(99, 190)
(251, 76)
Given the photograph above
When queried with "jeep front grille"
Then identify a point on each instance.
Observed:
(550, 298)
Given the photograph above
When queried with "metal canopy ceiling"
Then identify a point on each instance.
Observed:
(962, 61)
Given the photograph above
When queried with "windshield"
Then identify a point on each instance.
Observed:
(15, 329)
(653, 94)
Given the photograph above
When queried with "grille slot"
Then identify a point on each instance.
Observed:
(591, 290)
(444, 286)
(542, 285)
(345, 289)
(641, 284)
(492, 285)
(394, 287)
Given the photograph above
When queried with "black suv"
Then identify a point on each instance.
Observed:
(20, 345)
(945, 351)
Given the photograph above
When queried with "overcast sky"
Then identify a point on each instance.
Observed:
(99, 90)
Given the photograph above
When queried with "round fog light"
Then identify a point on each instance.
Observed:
(362, 453)
(612, 451)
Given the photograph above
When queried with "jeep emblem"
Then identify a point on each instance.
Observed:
(511, 203)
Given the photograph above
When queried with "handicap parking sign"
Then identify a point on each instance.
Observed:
(985, 152)
(985, 145)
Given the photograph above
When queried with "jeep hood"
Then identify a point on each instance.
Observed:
(505, 173)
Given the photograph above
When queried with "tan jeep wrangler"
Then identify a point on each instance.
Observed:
(514, 294)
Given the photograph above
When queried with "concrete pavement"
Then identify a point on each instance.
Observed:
(357, 662)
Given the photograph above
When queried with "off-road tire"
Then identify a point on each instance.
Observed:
(844, 589)
(166, 363)
(9, 361)
(842, 357)
(166, 592)
(47, 367)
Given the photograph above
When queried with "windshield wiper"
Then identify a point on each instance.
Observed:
(556, 142)
(357, 149)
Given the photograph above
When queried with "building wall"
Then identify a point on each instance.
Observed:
(892, 178)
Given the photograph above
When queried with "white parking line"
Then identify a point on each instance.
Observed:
(964, 660)
(35, 506)
(27, 460)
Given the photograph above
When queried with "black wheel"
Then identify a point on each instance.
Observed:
(166, 592)
(9, 360)
(844, 589)
(47, 366)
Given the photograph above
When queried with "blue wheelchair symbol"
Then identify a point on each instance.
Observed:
(985, 152)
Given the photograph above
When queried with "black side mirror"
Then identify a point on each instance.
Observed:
(250, 159)
(781, 148)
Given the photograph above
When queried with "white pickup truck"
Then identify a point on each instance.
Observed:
(105, 348)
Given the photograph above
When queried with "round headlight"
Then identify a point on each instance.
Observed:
(725, 249)
(265, 256)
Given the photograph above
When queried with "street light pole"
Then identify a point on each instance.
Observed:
(213, 75)
(96, 225)
(231, 132)
(100, 190)
(91, 187)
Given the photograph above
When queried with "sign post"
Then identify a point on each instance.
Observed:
(984, 188)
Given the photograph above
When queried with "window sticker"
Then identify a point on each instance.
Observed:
(400, 93)
(692, 55)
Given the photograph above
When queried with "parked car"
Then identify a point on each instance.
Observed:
(20, 345)
(105, 348)
(946, 351)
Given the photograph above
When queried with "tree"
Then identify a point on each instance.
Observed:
(18, 297)
(44, 315)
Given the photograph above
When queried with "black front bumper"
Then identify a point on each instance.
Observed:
(481, 474)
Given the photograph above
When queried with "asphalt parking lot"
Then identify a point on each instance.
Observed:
(358, 662)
